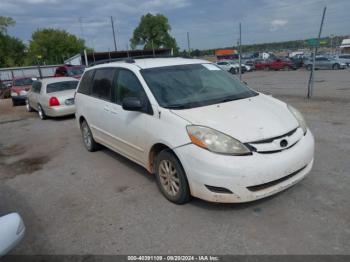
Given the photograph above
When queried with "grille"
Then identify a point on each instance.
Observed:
(274, 182)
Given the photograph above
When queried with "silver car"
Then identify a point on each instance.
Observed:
(52, 97)
(344, 58)
(323, 62)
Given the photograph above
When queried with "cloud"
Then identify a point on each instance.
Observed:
(278, 24)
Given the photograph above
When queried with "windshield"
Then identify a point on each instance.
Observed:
(61, 86)
(75, 71)
(188, 86)
(23, 82)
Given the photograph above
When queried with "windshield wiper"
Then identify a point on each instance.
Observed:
(178, 106)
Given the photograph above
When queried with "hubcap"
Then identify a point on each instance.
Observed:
(169, 178)
(40, 111)
(27, 105)
(86, 136)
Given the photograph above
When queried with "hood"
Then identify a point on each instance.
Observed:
(248, 120)
(18, 89)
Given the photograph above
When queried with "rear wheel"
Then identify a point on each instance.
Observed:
(41, 113)
(88, 139)
(171, 178)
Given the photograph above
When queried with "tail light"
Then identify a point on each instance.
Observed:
(54, 101)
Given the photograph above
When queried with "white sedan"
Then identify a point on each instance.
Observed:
(52, 97)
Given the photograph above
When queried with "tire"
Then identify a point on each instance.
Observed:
(14, 103)
(336, 67)
(88, 140)
(41, 113)
(169, 169)
(232, 71)
(28, 107)
(309, 67)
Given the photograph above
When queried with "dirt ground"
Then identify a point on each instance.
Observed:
(76, 202)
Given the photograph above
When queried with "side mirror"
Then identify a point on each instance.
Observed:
(132, 104)
(12, 231)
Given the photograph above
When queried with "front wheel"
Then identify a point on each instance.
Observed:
(171, 178)
(88, 139)
(232, 71)
(28, 107)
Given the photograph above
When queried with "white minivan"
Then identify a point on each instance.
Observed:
(196, 127)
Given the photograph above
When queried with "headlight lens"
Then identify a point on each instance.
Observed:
(216, 141)
(299, 117)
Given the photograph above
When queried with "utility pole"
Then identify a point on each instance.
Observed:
(188, 44)
(240, 51)
(115, 42)
(312, 73)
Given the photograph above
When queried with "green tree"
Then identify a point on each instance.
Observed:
(153, 32)
(12, 51)
(53, 46)
(5, 22)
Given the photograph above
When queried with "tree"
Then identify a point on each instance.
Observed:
(153, 32)
(12, 51)
(53, 46)
(5, 22)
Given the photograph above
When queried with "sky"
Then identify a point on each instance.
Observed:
(210, 23)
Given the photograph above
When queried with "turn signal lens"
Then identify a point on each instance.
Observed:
(54, 101)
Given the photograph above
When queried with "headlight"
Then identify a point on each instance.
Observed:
(299, 117)
(14, 94)
(216, 141)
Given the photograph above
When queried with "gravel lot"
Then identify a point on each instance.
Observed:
(76, 202)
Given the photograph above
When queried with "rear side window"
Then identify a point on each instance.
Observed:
(102, 84)
(128, 85)
(36, 87)
(86, 83)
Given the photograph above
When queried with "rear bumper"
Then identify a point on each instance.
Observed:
(243, 175)
(62, 110)
(19, 98)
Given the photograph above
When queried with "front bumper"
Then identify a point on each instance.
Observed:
(237, 173)
(62, 110)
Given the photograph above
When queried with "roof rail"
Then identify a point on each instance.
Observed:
(131, 59)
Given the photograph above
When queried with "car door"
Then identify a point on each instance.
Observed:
(33, 96)
(129, 130)
(97, 103)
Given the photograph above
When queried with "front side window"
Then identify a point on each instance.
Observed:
(102, 84)
(61, 86)
(188, 86)
(128, 85)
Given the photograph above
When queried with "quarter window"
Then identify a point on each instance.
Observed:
(36, 87)
(102, 85)
(86, 83)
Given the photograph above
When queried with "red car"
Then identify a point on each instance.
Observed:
(280, 64)
(70, 70)
(262, 64)
(19, 89)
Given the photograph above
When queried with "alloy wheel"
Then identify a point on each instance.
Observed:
(168, 177)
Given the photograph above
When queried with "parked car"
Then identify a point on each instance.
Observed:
(281, 64)
(343, 58)
(323, 62)
(261, 64)
(232, 66)
(201, 131)
(19, 89)
(70, 71)
(12, 231)
(52, 97)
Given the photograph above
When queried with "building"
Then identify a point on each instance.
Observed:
(345, 46)
(90, 58)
